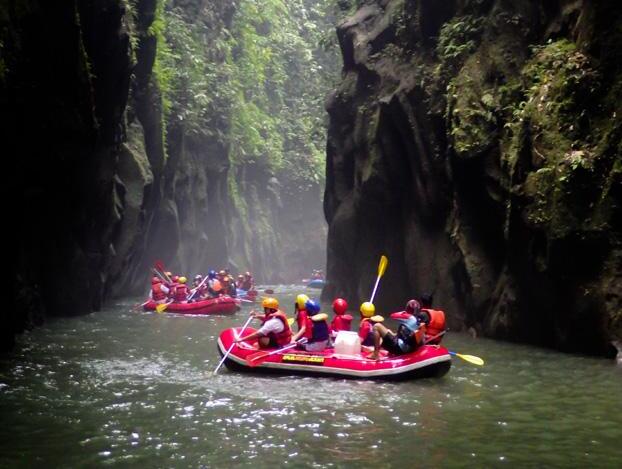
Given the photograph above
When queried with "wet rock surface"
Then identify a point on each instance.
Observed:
(477, 145)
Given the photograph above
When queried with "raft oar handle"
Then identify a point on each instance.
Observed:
(250, 318)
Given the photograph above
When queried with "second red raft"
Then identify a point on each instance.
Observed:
(220, 305)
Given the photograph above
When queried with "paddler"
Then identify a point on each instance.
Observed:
(202, 292)
(409, 337)
(434, 319)
(341, 321)
(248, 283)
(180, 293)
(305, 326)
(213, 284)
(159, 291)
(366, 326)
(275, 330)
(320, 332)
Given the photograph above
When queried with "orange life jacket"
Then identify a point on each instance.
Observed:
(181, 292)
(156, 292)
(285, 336)
(436, 324)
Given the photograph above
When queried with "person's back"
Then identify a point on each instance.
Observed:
(319, 328)
(180, 294)
(341, 321)
(366, 326)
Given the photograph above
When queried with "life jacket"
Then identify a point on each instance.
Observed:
(247, 284)
(285, 336)
(341, 322)
(366, 332)
(156, 292)
(436, 324)
(214, 285)
(303, 320)
(181, 292)
(320, 331)
(171, 289)
(416, 337)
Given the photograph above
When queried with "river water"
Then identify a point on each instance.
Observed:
(130, 388)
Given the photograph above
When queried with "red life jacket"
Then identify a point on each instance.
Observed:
(181, 292)
(156, 292)
(341, 322)
(303, 320)
(436, 324)
(366, 332)
(285, 336)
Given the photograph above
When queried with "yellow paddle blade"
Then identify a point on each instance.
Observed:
(290, 321)
(382, 266)
(160, 308)
(469, 358)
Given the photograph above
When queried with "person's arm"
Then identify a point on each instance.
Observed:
(300, 333)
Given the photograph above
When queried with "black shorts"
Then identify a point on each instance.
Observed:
(390, 343)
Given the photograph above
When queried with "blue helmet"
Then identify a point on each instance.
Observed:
(312, 307)
(211, 274)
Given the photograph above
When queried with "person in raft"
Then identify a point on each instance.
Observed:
(201, 294)
(159, 291)
(409, 337)
(320, 333)
(248, 283)
(366, 326)
(275, 330)
(341, 321)
(180, 292)
(305, 326)
(213, 284)
(434, 319)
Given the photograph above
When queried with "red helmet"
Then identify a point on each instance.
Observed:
(155, 280)
(340, 306)
(413, 307)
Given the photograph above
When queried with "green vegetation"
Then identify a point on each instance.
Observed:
(458, 39)
(256, 85)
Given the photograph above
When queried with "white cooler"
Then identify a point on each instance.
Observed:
(347, 343)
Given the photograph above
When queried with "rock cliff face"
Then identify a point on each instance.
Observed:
(477, 143)
(100, 181)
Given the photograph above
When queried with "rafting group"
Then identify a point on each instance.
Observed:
(168, 287)
(417, 326)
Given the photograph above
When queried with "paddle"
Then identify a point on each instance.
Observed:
(161, 307)
(233, 344)
(258, 358)
(382, 266)
(194, 290)
(136, 306)
(160, 266)
(469, 358)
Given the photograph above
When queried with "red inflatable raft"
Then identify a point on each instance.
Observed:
(427, 361)
(220, 305)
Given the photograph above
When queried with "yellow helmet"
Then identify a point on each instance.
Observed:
(368, 309)
(182, 280)
(271, 303)
(301, 300)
